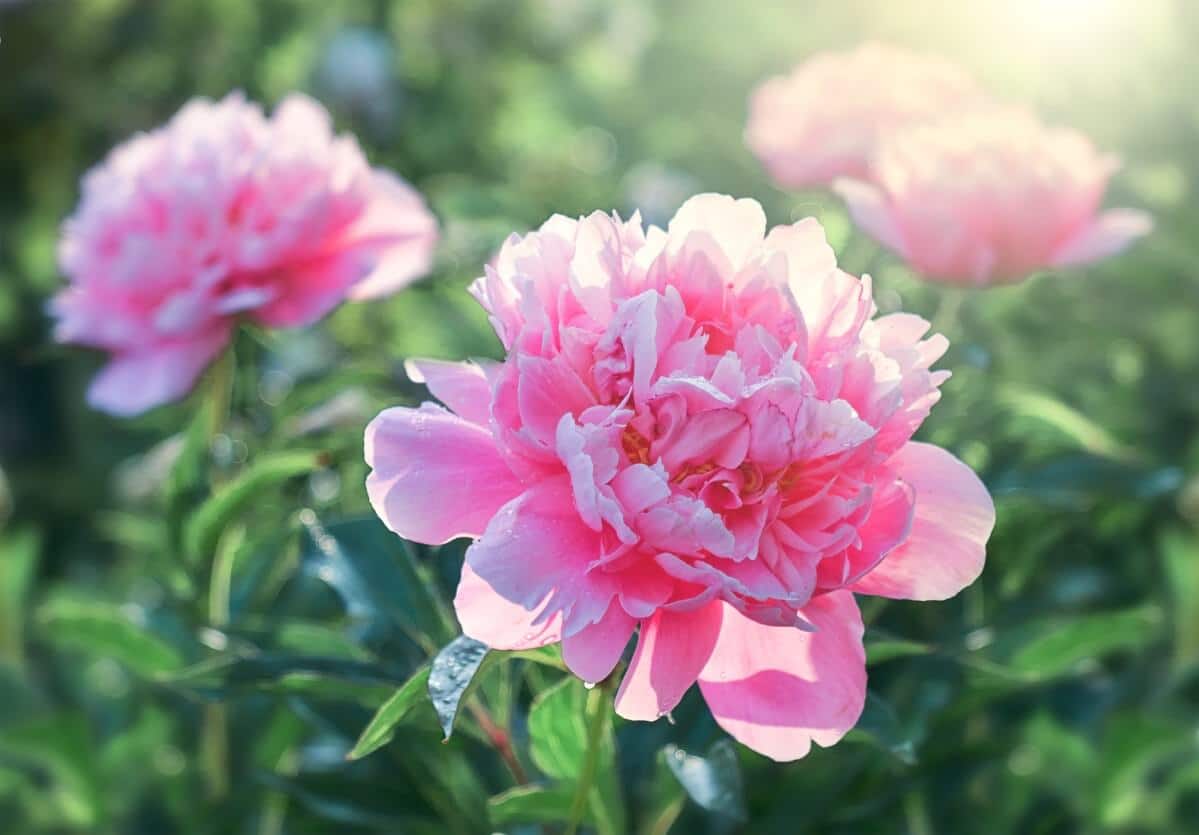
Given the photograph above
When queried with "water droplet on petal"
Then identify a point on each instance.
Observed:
(589, 685)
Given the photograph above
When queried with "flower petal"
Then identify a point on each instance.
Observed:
(738, 226)
(671, 650)
(133, 383)
(946, 548)
(592, 653)
(399, 227)
(868, 207)
(462, 386)
(434, 476)
(498, 622)
(1106, 235)
(535, 552)
(777, 689)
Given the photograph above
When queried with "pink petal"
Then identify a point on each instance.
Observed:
(869, 208)
(313, 289)
(671, 650)
(399, 227)
(462, 386)
(809, 256)
(592, 653)
(1106, 235)
(738, 226)
(434, 476)
(777, 689)
(133, 383)
(947, 546)
(547, 390)
(888, 525)
(535, 552)
(498, 622)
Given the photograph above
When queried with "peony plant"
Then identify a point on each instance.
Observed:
(702, 435)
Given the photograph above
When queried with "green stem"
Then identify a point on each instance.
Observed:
(214, 740)
(595, 717)
(220, 393)
(945, 318)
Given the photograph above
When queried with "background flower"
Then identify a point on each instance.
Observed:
(221, 214)
(701, 432)
(824, 119)
(990, 196)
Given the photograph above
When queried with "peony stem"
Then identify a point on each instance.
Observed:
(500, 739)
(595, 717)
(945, 318)
(215, 730)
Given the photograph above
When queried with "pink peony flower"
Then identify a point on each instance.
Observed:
(701, 434)
(824, 119)
(225, 213)
(991, 196)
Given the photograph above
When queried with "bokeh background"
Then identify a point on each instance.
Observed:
(1060, 694)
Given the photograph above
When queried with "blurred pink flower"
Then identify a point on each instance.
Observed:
(701, 432)
(990, 196)
(225, 213)
(824, 119)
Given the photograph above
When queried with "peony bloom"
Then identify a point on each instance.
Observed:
(824, 119)
(991, 196)
(700, 434)
(225, 213)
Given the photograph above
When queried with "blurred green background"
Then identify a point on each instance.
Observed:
(1060, 694)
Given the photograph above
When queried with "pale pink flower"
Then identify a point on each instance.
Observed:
(824, 119)
(701, 434)
(223, 214)
(991, 196)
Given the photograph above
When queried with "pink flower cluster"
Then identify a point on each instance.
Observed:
(702, 435)
(225, 213)
(967, 190)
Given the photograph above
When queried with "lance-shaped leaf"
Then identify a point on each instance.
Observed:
(104, 630)
(382, 727)
(204, 527)
(451, 674)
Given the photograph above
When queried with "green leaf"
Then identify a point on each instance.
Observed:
(1180, 557)
(376, 573)
(18, 560)
(1134, 746)
(713, 781)
(880, 725)
(451, 674)
(324, 678)
(1089, 435)
(558, 745)
(103, 630)
(550, 656)
(382, 726)
(382, 806)
(63, 746)
(1057, 647)
(532, 804)
(204, 527)
(886, 649)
